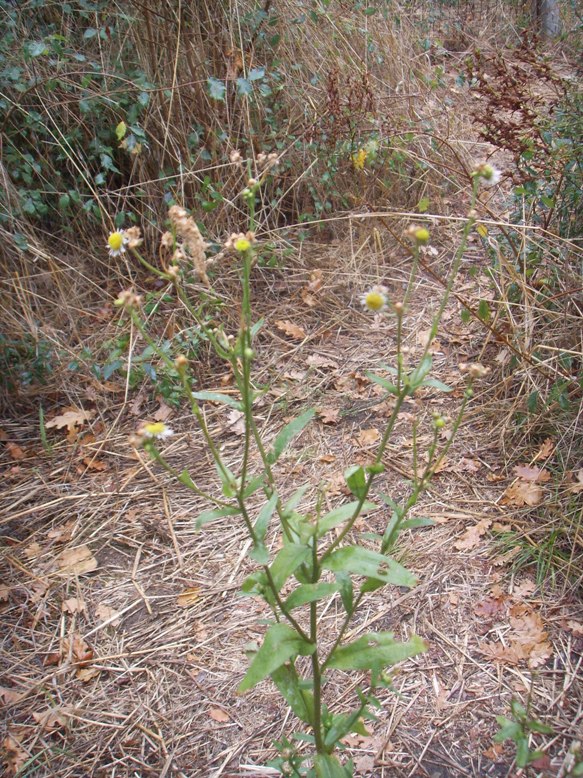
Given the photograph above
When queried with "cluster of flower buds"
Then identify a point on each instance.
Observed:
(267, 161)
(187, 230)
(474, 370)
(128, 299)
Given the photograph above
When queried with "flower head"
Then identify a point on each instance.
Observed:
(489, 175)
(116, 243)
(133, 237)
(419, 235)
(375, 299)
(155, 430)
(242, 244)
(128, 299)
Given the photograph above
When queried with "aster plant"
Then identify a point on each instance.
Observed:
(305, 556)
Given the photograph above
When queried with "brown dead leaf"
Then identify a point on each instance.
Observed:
(490, 607)
(545, 450)
(467, 466)
(524, 588)
(575, 627)
(493, 753)
(290, 329)
(329, 415)
(295, 375)
(327, 458)
(78, 648)
(316, 280)
(504, 655)
(164, 412)
(218, 714)
(62, 534)
(105, 613)
(15, 757)
(577, 487)
(33, 550)
(73, 605)
(53, 718)
(10, 696)
(188, 597)
(534, 474)
(368, 437)
(16, 452)
(76, 561)
(317, 360)
(236, 422)
(472, 536)
(522, 493)
(91, 463)
(71, 418)
(86, 674)
(4, 593)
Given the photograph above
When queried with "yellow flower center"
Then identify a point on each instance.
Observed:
(115, 241)
(155, 428)
(374, 301)
(242, 244)
(422, 236)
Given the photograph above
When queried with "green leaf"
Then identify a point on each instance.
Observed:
(341, 514)
(256, 327)
(90, 32)
(355, 478)
(253, 485)
(121, 130)
(436, 384)
(212, 515)
(417, 376)
(287, 561)
(216, 88)
(327, 766)
(244, 87)
(509, 730)
(228, 480)
(280, 644)
(374, 651)
(484, 310)
(342, 724)
(416, 523)
(538, 726)
(255, 74)
(377, 379)
(37, 48)
(301, 701)
(423, 205)
(311, 592)
(217, 397)
(265, 515)
(522, 752)
(288, 433)
(346, 590)
(295, 499)
(64, 201)
(361, 561)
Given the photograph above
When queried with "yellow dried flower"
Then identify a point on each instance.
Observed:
(359, 159)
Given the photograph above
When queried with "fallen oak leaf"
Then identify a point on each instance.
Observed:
(368, 437)
(545, 450)
(71, 419)
(188, 597)
(329, 415)
(218, 714)
(76, 561)
(73, 605)
(53, 718)
(473, 535)
(290, 329)
(534, 474)
(105, 613)
(522, 493)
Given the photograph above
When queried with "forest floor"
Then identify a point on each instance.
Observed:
(123, 628)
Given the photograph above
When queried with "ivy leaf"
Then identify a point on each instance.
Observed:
(280, 644)
(374, 651)
(244, 87)
(216, 88)
(255, 74)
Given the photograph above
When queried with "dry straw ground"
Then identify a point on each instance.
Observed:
(123, 632)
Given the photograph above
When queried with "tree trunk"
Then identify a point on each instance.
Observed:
(548, 17)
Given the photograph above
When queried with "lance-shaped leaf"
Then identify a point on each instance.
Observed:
(301, 701)
(375, 651)
(327, 766)
(311, 592)
(287, 561)
(259, 552)
(288, 433)
(341, 514)
(212, 515)
(435, 383)
(415, 379)
(218, 397)
(281, 643)
(391, 388)
(361, 561)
